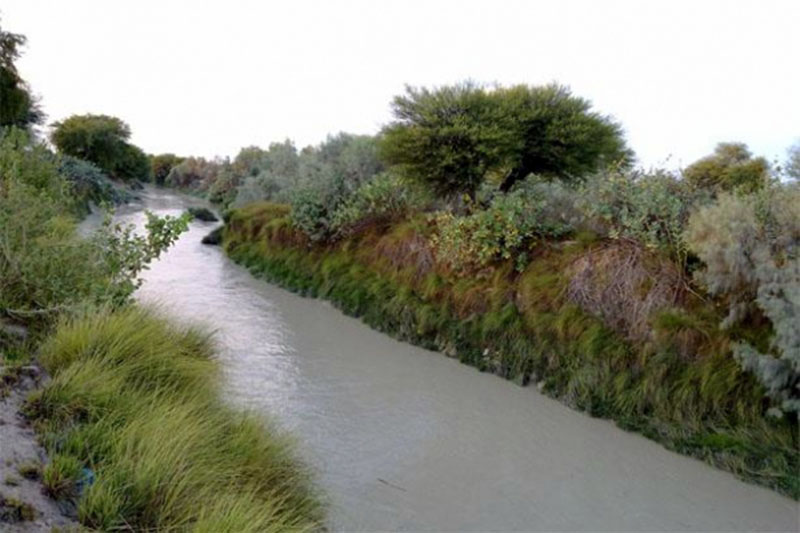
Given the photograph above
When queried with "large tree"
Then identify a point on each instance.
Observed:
(17, 105)
(103, 140)
(453, 137)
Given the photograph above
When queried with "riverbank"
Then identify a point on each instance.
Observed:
(138, 436)
(522, 327)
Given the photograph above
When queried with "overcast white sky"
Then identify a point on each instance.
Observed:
(208, 77)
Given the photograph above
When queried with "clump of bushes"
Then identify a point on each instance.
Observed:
(505, 231)
(749, 245)
(135, 399)
(731, 167)
(46, 268)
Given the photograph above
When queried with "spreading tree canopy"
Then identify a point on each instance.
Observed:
(452, 138)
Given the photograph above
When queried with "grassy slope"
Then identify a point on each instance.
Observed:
(522, 327)
(135, 399)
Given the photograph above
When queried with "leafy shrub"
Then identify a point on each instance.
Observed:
(89, 182)
(736, 233)
(750, 247)
(384, 199)
(45, 267)
(779, 298)
(505, 230)
(651, 209)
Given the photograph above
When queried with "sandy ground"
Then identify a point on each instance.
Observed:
(18, 448)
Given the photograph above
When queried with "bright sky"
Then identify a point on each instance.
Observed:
(208, 77)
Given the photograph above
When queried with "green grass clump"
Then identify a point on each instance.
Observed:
(134, 399)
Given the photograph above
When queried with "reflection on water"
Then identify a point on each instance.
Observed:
(403, 438)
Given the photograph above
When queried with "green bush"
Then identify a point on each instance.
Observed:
(749, 246)
(506, 230)
(89, 182)
(45, 266)
(384, 199)
(649, 208)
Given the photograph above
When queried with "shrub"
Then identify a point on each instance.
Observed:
(505, 230)
(385, 199)
(779, 298)
(750, 247)
(89, 182)
(650, 208)
(45, 267)
(736, 233)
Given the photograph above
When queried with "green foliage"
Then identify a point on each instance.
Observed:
(17, 105)
(557, 135)
(506, 230)
(161, 165)
(452, 138)
(385, 199)
(103, 140)
(736, 234)
(45, 267)
(731, 167)
(779, 298)
(750, 247)
(328, 175)
(136, 399)
(447, 138)
(649, 208)
(521, 327)
(89, 182)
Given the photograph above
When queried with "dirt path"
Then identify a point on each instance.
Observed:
(23, 505)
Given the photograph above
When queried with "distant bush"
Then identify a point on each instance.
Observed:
(731, 167)
(193, 173)
(161, 165)
(506, 230)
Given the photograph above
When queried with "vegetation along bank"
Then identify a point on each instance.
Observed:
(495, 226)
(112, 410)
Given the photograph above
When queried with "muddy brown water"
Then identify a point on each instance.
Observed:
(402, 438)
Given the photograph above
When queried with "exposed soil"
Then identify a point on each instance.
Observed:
(24, 507)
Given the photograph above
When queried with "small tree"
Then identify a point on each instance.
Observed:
(730, 167)
(103, 140)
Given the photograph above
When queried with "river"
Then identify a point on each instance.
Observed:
(402, 438)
